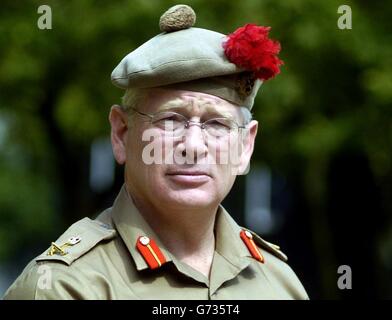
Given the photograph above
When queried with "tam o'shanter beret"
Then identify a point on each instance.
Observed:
(184, 57)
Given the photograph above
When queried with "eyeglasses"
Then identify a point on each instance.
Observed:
(174, 124)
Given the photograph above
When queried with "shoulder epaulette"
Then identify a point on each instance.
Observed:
(80, 238)
(270, 247)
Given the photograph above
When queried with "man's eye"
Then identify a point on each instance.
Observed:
(220, 123)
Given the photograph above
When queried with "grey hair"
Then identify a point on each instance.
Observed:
(246, 115)
(132, 98)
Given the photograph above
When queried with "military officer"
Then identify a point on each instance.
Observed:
(188, 96)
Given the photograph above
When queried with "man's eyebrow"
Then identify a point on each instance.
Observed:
(179, 105)
(173, 105)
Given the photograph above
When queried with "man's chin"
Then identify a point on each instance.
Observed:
(191, 198)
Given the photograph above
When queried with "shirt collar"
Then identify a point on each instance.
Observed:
(131, 225)
(228, 242)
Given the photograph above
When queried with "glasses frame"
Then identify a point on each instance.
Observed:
(187, 123)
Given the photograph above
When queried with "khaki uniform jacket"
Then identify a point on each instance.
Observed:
(106, 264)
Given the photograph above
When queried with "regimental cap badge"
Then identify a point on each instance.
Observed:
(244, 84)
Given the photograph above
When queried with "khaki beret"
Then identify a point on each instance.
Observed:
(189, 58)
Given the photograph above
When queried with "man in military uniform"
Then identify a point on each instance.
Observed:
(167, 236)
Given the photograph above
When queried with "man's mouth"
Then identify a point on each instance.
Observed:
(189, 177)
(188, 172)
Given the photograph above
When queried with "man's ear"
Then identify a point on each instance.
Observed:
(248, 143)
(119, 122)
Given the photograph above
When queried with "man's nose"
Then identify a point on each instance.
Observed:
(194, 143)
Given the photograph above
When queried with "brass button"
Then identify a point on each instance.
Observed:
(248, 234)
(144, 240)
